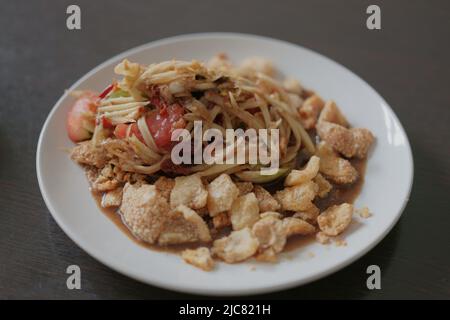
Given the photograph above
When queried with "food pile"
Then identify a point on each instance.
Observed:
(226, 212)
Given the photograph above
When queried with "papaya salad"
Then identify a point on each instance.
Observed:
(220, 211)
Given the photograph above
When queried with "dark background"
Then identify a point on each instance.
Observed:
(407, 62)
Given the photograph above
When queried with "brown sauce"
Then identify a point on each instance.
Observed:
(339, 194)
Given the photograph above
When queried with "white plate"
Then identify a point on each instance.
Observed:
(386, 190)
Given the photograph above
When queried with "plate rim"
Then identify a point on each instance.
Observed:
(207, 291)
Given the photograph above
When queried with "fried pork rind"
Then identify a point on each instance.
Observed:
(310, 110)
(189, 191)
(363, 140)
(221, 220)
(144, 211)
(112, 198)
(294, 226)
(110, 177)
(183, 226)
(271, 236)
(297, 177)
(117, 152)
(297, 198)
(335, 219)
(101, 183)
(105, 180)
(200, 258)
(244, 211)
(331, 113)
(324, 186)
(364, 213)
(337, 169)
(265, 200)
(322, 238)
(338, 137)
(238, 246)
(272, 214)
(124, 176)
(165, 185)
(86, 153)
(349, 142)
(221, 194)
(244, 187)
(91, 175)
(270, 233)
(309, 215)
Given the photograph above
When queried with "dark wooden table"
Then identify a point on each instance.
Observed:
(407, 62)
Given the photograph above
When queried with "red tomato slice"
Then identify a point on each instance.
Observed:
(134, 131)
(161, 123)
(107, 124)
(121, 131)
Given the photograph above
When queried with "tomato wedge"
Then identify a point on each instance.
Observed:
(160, 122)
(121, 131)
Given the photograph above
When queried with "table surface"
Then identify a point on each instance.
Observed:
(407, 62)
